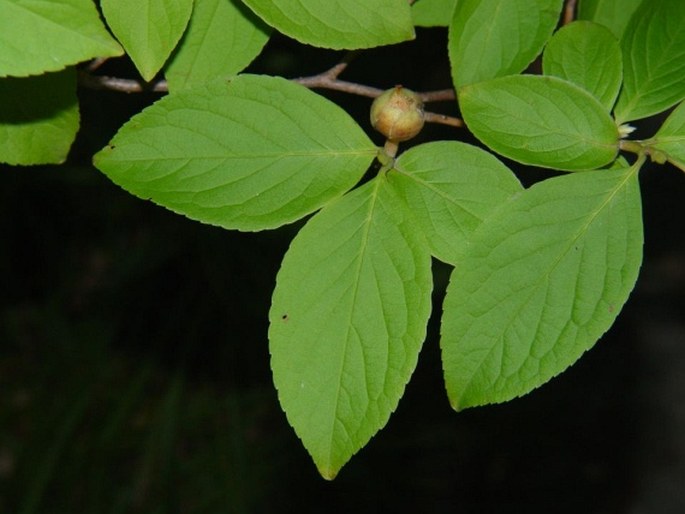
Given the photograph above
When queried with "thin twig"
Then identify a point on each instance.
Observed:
(569, 11)
(325, 80)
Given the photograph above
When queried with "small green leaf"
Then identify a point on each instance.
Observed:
(347, 321)
(494, 38)
(49, 35)
(588, 55)
(670, 139)
(653, 60)
(432, 13)
(338, 23)
(148, 30)
(222, 38)
(543, 121)
(613, 14)
(543, 278)
(35, 127)
(252, 153)
(449, 188)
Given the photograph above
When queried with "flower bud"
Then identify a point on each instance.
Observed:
(397, 114)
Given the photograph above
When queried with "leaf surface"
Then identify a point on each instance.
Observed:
(670, 139)
(222, 38)
(543, 121)
(148, 30)
(49, 35)
(252, 153)
(338, 23)
(433, 13)
(36, 128)
(347, 321)
(449, 188)
(588, 55)
(653, 60)
(544, 277)
(494, 38)
(613, 14)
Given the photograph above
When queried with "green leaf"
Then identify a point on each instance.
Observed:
(252, 153)
(670, 139)
(49, 35)
(432, 13)
(544, 277)
(35, 127)
(588, 55)
(613, 14)
(222, 38)
(449, 188)
(543, 121)
(338, 23)
(494, 38)
(148, 30)
(653, 60)
(347, 321)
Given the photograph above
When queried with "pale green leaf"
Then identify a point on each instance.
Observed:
(588, 55)
(347, 321)
(35, 127)
(48, 35)
(432, 13)
(543, 278)
(613, 14)
(449, 188)
(338, 23)
(494, 38)
(222, 38)
(252, 153)
(149, 30)
(653, 60)
(670, 139)
(543, 121)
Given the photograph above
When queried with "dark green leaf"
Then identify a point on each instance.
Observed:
(653, 60)
(347, 321)
(543, 121)
(543, 278)
(338, 23)
(148, 30)
(48, 35)
(588, 55)
(432, 13)
(36, 127)
(222, 38)
(494, 38)
(252, 153)
(449, 188)
(670, 139)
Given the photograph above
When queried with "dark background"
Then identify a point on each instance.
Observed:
(134, 372)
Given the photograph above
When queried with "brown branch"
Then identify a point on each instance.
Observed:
(569, 11)
(326, 80)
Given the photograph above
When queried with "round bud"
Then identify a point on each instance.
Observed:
(397, 114)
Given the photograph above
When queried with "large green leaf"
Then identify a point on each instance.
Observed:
(148, 30)
(543, 278)
(653, 60)
(48, 35)
(35, 127)
(432, 13)
(670, 139)
(588, 55)
(251, 153)
(222, 38)
(347, 321)
(543, 121)
(339, 23)
(450, 187)
(613, 14)
(493, 38)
